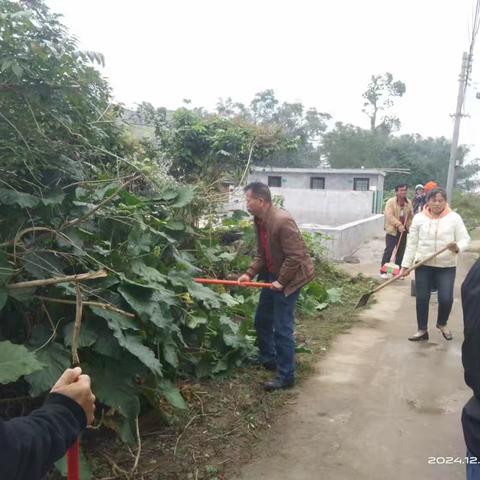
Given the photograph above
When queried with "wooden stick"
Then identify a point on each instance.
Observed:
(105, 306)
(76, 327)
(53, 281)
(411, 269)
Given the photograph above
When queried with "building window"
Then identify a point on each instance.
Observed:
(317, 183)
(361, 184)
(274, 181)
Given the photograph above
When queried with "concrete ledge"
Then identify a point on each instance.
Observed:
(345, 239)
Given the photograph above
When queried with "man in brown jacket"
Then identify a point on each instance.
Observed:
(282, 259)
(398, 217)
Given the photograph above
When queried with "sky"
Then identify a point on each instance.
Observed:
(318, 52)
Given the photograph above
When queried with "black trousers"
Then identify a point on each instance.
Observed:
(390, 242)
(444, 279)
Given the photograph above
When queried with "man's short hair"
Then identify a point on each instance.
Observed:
(435, 191)
(400, 185)
(259, 190)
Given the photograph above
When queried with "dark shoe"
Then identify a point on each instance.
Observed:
(277, 384)
(447, 334)
(256, 362)
(417, 337)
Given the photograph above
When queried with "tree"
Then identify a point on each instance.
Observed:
(348, 146)
(264, 106)
(57, 122)
(379, 97)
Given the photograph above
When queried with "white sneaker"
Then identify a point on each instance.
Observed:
(384, 276)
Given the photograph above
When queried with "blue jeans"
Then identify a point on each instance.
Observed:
(443, 279)
(274, 321)
(473, 469)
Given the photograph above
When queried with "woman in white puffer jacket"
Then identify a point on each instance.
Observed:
(434, 228)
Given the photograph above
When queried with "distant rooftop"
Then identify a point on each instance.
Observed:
(346, 171)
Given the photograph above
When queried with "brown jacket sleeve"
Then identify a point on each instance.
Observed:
(390, 214)
(293, 249)
(258, 261)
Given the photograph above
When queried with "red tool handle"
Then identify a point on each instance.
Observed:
(233, 283)
(73, 461)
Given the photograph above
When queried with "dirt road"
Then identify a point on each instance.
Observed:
(378, 405)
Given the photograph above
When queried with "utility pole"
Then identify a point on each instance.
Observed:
(462, 86)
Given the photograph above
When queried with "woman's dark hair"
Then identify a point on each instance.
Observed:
(259, 190)
(400, 185)
(433, 193)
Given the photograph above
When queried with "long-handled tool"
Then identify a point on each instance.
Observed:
(73, 461)
(366, 296)
(232, 283)
(391, 268)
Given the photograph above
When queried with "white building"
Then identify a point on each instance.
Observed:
(344, 205)
(325, 196)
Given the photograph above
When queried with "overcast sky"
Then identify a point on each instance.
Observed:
(319, 52)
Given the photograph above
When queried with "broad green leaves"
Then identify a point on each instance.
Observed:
(55, 359)
(16, 361)
(23, 200)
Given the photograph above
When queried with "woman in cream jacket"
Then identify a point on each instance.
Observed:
(434, 228)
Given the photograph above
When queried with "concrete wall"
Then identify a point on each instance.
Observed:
(322, 207)
(344, 240)
(332, 213)
(333, 181)
(325, 207)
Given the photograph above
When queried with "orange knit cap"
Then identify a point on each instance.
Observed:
(430, 186)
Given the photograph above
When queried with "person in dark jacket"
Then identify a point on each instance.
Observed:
(282, 259)
(30, 445)
(419, 200)
(471, 365)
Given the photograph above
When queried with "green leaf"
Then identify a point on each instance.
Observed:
(11, 197)
(335, 295)
(314, 289)
(303, 349)
(130, 342)
(43, 264)
(205, 294)
(106, 343)
(149, 274)
(229, 300)
(121, 321)
(113, 384)
(86, 338)
(170, 354)
(172, 394)
(17, 70)
(6, 270)
(56, 359)
(194, 321)
(23, 295)
(148, 304)
(54, 198)
(175, 225)
(16, 361)
(185, 261)
(184, 196)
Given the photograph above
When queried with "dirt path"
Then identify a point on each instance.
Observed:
(378, 405)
